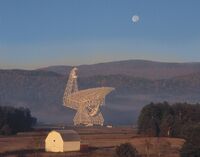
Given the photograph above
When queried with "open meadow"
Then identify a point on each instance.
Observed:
(101, 142)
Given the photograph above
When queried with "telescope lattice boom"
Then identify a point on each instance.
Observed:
(87, 102)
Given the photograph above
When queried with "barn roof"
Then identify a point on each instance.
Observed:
(69, 135)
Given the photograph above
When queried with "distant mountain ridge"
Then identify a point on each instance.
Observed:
(135, 68)
(42, 90)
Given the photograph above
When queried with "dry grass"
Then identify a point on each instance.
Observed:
(102, 142)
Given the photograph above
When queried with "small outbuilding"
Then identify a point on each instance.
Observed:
(62, 141)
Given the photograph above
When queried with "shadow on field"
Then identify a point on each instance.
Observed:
(21, 153)
(42, 153)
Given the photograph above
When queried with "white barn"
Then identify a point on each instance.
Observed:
(62, 141)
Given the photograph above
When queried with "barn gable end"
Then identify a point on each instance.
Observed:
(62, 141)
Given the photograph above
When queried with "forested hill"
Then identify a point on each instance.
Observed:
(137, 83)
(134, 68)
(42, 92)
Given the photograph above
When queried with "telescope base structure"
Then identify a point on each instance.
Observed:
(86, 102)
(82, 118)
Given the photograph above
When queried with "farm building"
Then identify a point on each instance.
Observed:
(62, 141)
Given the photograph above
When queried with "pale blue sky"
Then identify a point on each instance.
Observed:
(38, 33)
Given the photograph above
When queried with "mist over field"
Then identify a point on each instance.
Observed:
(137, 83)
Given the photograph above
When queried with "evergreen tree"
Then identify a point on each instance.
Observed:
(13, 120)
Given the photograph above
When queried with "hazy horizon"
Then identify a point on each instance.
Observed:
(170, 62)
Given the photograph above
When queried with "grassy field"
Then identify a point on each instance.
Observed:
(101, 142)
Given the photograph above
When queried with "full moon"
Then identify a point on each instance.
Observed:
(135, 18)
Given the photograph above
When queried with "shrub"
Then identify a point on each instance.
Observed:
(191, 148)
(126, 150)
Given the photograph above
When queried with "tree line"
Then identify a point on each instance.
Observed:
(175, 120)
(13, 120)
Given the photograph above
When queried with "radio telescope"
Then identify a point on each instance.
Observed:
(86, 102)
